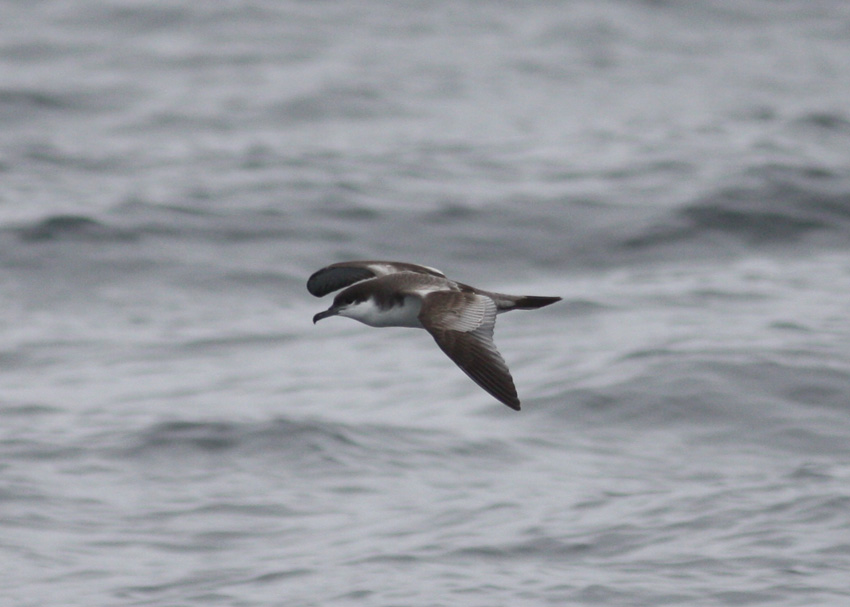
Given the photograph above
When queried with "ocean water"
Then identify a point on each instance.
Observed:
(174, 431)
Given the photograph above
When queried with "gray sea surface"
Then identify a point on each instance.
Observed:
(174, 431)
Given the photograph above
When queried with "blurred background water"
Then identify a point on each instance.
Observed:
(175, 431)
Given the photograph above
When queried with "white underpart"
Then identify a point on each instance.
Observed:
(368, 313)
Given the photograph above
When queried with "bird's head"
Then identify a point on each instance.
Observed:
(343, 305)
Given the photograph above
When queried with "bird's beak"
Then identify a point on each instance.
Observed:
(329, 312)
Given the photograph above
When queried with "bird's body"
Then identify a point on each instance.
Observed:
(404, 313)
(459, 317)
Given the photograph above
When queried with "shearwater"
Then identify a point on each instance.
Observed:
(460, 318)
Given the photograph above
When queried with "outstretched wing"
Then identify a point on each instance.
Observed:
(462, 325)
(340, 275)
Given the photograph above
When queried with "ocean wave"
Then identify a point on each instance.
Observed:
(287, 443)
(22, 104)
(777, 404)
(310, 443)
(73, 227)
(782, 206)
(219, 436)
(171, 222)
(302, 441)
(774, 208)
(336, 103)
(830, 122)
(617, 540)
(16, 102)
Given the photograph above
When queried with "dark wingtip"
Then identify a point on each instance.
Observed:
(311, 286)
(335, 277)
(510, 400)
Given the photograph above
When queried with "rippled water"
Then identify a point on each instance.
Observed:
(175, 431)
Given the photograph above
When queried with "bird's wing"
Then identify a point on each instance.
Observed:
(339, 275)
(462, 325)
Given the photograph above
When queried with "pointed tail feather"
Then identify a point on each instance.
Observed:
(531, 302)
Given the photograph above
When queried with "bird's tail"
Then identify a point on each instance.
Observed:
(531, 302)
(506, 303)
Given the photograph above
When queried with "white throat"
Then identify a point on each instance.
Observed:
(369, 313)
